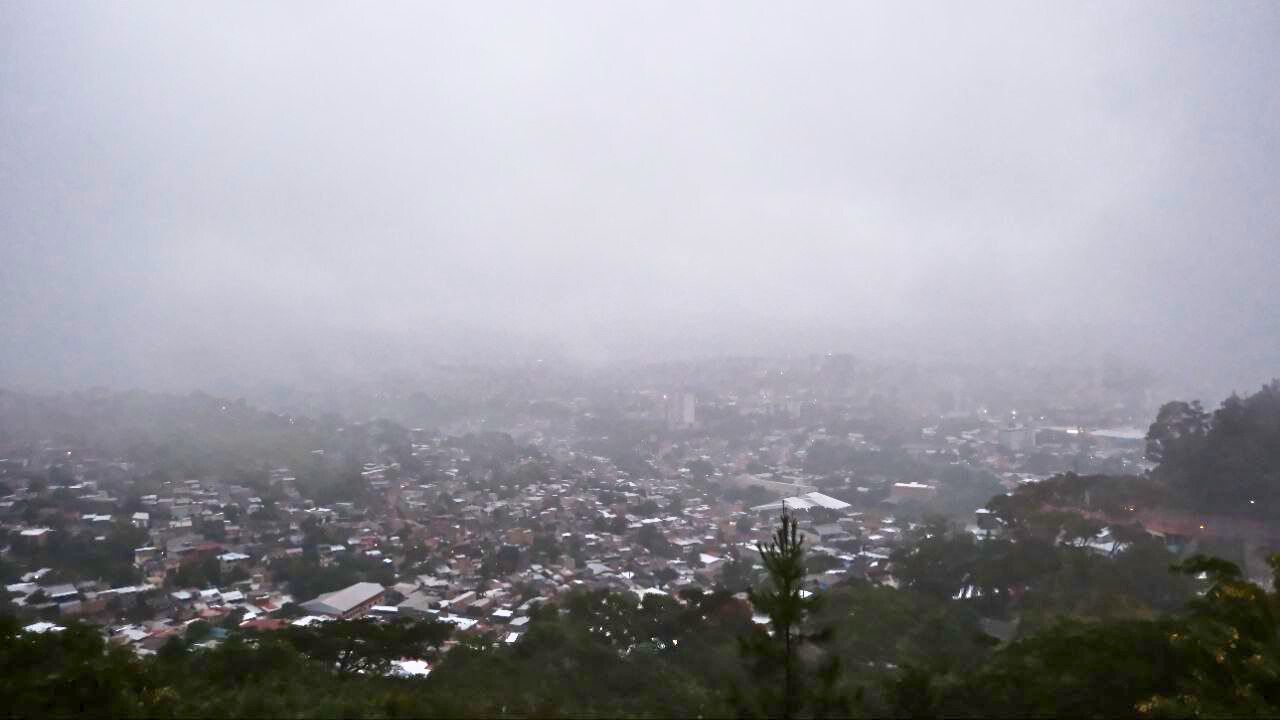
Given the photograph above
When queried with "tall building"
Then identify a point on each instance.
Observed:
(681, 410)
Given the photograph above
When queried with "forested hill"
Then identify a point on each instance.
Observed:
(116, 422)
(196, 433)
(1226, 462)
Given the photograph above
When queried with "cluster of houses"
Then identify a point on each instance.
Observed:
(480, 538)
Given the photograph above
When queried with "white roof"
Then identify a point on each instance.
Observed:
(36, 574)
(55, 591)
(825, 501)
(346, 599)
(646, 591)
(410, 668)
(806, 501)
(462, 623)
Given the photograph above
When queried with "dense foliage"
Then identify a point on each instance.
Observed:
(1226, 462)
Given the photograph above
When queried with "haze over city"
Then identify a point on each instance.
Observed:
(196, 193)
(618, 359)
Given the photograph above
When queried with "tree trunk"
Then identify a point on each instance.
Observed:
(786, 683)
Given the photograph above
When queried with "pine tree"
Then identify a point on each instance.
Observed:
(787, 606)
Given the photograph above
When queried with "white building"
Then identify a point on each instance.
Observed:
(807, 501)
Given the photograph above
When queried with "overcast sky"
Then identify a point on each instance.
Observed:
(193, 190)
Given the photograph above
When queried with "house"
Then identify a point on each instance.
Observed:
(38, 536)
(830, 532)
(460, 601)
(348, 603)
(144, 555)
(231, 560)
(264, 624)
(62, 593)
(420, 603)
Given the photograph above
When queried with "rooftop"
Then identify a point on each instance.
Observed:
(345, 600)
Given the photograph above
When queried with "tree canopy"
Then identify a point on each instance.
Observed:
(1227, 462)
